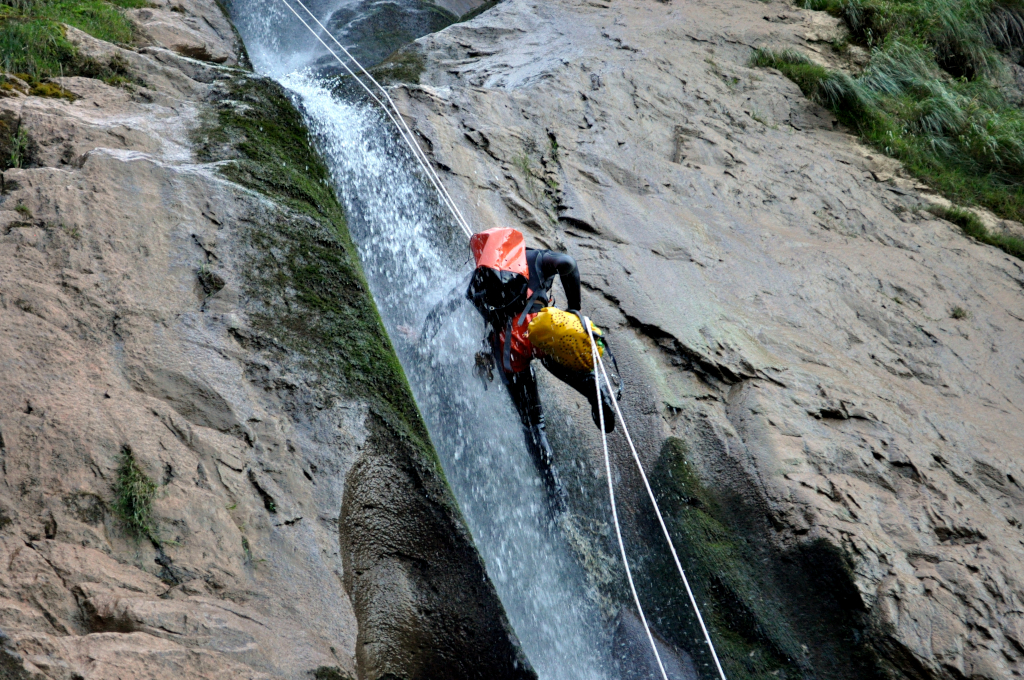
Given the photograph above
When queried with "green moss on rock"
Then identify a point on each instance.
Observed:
(304, 274)
(404, 66)
(772, 614)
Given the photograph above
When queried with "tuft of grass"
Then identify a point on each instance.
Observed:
(964, 219)
(956, 135)
(15, 144)
(931, 95)
(23, 210)
(958, 313)
(972, 226)
(33, 41)
(133, 496)
(831, 89)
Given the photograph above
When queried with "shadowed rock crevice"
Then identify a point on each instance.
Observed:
(792, 611)
(426, 607)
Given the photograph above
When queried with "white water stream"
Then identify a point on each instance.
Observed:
(413, 256)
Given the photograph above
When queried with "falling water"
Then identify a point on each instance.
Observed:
(414, 258)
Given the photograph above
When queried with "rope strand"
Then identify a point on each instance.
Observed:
(392, 113)
(599, 363)
(615, 512)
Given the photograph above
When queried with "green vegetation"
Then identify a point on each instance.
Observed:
(959, 313)
(32, 40)
(931, 94)
(14, 143)
(305, 274)
(770, 615)
(972, 226)
(404, 66)
(133, 496)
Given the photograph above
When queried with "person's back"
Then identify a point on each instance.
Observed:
(510, 286)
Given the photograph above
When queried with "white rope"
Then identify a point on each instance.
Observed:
(599, 364)
(615, 512)
(393, 113)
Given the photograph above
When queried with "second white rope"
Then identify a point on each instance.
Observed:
(615, 512)
(599, 364)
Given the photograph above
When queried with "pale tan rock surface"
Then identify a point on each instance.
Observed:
(775, 297)
(106, 346)
(192, 28)
(125, 327)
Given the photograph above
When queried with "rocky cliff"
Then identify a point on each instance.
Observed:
(833, 374)
(212, 464)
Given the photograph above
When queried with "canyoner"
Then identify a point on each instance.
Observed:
(511, 287)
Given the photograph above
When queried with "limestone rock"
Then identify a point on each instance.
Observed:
(129, 330)
(775, 295)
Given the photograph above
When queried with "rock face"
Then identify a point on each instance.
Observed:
(184, 323)
(842, 369)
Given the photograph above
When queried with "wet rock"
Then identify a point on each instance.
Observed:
(635, 658)
(372, 30)
(133, 318)
(774, 295)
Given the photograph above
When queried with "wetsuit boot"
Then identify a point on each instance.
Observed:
(606, 405)
(537, 441)
(583, 382)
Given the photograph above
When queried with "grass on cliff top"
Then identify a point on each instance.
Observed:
(932, 95)
(32, 40)
(305, 273)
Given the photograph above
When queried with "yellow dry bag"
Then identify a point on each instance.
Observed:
(560, 335)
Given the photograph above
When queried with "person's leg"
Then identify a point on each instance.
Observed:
(583, 382)
(522, 387)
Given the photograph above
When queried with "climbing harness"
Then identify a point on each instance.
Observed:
(392, 112)
(657, 510)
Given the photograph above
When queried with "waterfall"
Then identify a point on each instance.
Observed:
(414, 258)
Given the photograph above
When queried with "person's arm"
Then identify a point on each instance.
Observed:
(438, 315)
(565, 266)
(441, 311)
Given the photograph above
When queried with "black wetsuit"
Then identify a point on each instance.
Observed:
(544, 266)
